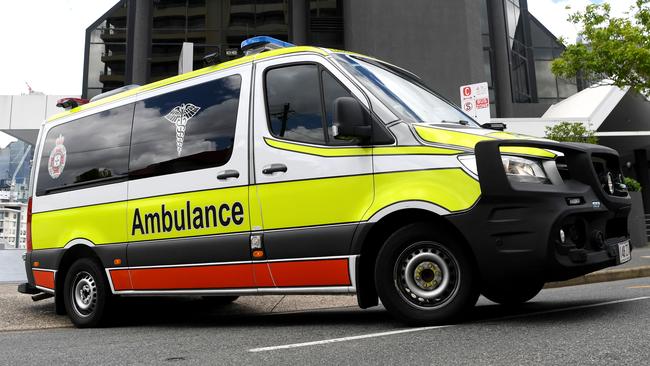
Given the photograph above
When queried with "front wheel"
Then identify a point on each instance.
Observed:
(86, 293)
(425, 277)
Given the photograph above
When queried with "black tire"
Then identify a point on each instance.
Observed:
(219, 300)
(516, 295)
(433, 259)
(86, 294)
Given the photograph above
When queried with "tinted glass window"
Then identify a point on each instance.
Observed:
(294, 103)
(87, 151)
(188, 129)
(332, 89)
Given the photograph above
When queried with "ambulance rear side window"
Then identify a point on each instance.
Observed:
(86, 152)
(186, 129)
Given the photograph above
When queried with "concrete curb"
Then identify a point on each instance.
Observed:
(604, 276)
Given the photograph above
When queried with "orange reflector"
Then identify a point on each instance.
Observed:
(36, 264)
(258, 253)
(117, 261)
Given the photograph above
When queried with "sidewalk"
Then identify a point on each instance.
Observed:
(638, 266)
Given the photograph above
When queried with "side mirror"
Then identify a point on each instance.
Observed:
(350, 120)
(498, 126)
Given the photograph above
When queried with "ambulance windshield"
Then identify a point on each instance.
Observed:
(403, 92)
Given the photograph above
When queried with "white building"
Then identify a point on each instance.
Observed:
(13, 224)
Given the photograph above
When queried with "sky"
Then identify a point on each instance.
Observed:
(42, 41)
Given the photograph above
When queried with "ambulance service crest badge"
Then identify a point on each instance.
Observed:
(56, 163)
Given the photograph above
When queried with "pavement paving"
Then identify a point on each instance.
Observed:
(599, 324)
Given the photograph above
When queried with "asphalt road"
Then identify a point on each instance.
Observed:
(604, 324)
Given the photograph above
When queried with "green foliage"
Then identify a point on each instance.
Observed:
(617, 48)
(632, 185)
(571, 132)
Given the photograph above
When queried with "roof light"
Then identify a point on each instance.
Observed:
(259, 44)
(69, 103)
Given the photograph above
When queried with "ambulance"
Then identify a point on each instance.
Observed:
(305, 170)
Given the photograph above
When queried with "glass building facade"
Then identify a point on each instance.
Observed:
(531, 48)
(219, 26)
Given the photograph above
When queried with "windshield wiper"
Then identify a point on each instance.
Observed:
(461, 121)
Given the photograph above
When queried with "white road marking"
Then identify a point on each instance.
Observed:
(420, 329)
(344, 339)
(645, 256)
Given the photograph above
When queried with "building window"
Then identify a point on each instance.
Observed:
(326, 23)
(546, 48)
(519, 60)
(106, 65)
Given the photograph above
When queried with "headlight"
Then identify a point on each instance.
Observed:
(517, 169)
(524, 170)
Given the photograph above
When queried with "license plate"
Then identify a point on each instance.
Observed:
(624, 251)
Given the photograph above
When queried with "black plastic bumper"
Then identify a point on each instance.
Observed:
(514, 228)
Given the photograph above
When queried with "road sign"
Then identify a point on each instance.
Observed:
(475, 101)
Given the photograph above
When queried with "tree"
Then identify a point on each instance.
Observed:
(571, 132)
(617, 48)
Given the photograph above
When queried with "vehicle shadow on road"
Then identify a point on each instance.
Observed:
(192, 312)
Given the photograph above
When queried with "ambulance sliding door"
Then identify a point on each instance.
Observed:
(189, 223)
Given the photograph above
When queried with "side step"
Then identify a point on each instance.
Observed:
(37, 295)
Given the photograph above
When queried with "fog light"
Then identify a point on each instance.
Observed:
(562, 236)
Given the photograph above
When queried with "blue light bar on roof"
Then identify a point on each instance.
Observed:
(262, 43)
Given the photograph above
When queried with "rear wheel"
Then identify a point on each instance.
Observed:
(86, 293)
(424, 277)
(514, 295)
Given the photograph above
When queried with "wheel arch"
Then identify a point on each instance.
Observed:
(368, 242)
(73, 250)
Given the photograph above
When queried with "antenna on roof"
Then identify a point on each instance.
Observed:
(260, 44)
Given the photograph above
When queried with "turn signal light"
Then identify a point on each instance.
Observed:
(117, 261)
(36, 264)
(258, 253)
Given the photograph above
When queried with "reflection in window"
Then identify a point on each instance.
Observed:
(88, 149)
(162, 144)
(294, 103)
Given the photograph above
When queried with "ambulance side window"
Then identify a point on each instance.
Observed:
(86, 152)
(332, 89)
(294, 103)
(300, 103)
(186, 129)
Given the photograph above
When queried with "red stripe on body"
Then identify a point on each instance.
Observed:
(199, 277)
(262, 275)
(121, 279)
(304, 273)
(325, 272)
(44, 278)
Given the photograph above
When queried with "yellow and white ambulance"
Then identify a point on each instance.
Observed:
(304, 170)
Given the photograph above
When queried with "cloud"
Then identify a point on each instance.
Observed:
(553, 14)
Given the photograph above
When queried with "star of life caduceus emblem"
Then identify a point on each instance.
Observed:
(179, 116)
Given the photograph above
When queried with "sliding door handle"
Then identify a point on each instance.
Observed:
(274, 168)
